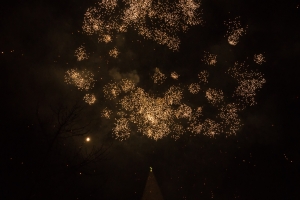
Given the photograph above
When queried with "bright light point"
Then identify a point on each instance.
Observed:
(88, 139)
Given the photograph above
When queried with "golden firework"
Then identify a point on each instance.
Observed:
(235, 30)
(158, 21)
(173, 95)
(84, 80)
(248, 82)
(89, 98)
(158, 77)
(111, 90)
(106, 113)
(109, 4)
(203, 76)
(211, 128)
(114, 52)
(194, 88)
(178, 130)
(80, 53)
(174, 75)
(153, 116)
(105, 38)
(189, 10)
(209, 59)
(121, 129)
(259, 59)
(183, 111)
(214, 96)
(230, 118)
(126, 85)
(157, 117)
(195, 126)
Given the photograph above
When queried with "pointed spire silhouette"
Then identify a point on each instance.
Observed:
(151, 191)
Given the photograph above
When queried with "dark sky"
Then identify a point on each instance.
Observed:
(37, 44)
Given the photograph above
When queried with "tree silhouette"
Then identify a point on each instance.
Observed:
(63, 152)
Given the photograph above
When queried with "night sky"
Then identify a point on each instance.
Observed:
(37, 44)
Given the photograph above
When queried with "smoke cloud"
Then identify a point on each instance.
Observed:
(133, 76)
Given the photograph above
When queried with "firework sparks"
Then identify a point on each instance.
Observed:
(211, 128)
(214, 96)
(178, 130)
(174, 75)
(136, 11)
(157, 116)
(235, 31)
(92, 23)
(153, 116)
(84, 80)
(126, 85)
(81, 54)
(259, 59)
(106, 113)
(183, 111)
(105, 38)
(194, 88)
(121, 114)
(143, 16)
(111, 90)
(208, 127)
(249, 82)
(95, 21)
(203, 76)
(233, 38)
(198, 112)
(209, 59)
(109, 4)
(89, 98)
(163, 38)
(194, 125)
(196, 128)
(247, 90)
(114, 52)
(189, 8)
(158, 77)
(173, 95)
(121, 129)
(229, 115)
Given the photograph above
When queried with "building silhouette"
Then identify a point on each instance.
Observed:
(152, 191)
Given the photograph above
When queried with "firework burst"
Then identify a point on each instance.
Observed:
(84, 80)
(89, 98)
(81, 54)
(235, 31)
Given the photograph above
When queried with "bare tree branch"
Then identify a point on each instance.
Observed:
(66, 125)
